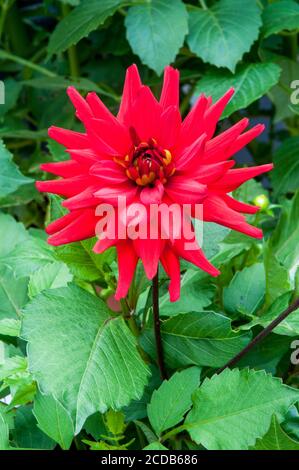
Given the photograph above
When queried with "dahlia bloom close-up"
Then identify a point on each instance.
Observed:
(150, 155)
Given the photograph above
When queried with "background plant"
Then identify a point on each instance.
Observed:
(76, 372)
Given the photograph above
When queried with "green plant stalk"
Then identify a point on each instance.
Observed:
(26, 63)
(72, 51)
(262, 335)
(157, 327)
(17, 32)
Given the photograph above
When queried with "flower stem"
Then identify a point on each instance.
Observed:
(265, 332)
(157, 327)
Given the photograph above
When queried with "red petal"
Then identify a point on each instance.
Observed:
(192, 154)
(103, 245)
(169, 127)
(215, 147)
(193, 124)
(245, 138)
(61, 223)
(130, 91)
(234, 178)
(170, 91)
(65, 187)
(215, 210)
(182, 190)
(127, 261)
(171, 264)
(239, 206)
(81, 228)
(70, 139)
(83, 111)
(149, 251)
(145, 115)
(65, 169)
(108, 172)
(195, 256)
(208, 174)
(214, 112)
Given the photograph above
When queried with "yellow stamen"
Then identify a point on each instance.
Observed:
(168, 157)
(120, 162)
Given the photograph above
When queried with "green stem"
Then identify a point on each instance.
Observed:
(72, 51)
(157, 327)
(4, 10)
(292, 39)
(203, 4)
(27, 63)
(174, 432)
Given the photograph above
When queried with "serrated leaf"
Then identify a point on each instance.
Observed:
(13, 293)
(196, 338)
(288, 327)
(172, 399)
(10, 327)
(276, 439)
(54, 420)
(11, 233)
(86, 17)
(285, 175)
(246, 291)
(26, 434)
(10, 176)
(50, 276)
(88, 365)
(222, 34)
(244, 412)
(195, 295)
(279, 16)
(156, 31)
(251, 82)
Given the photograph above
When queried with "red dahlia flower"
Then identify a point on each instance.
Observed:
(148, 154)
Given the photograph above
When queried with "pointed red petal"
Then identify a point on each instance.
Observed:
(170, 90)
(127, 261)
(171, 264)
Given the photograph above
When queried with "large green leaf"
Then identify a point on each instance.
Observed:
(86, 17)
(10, 176)
(13, 293)
(4, 432)
(156, 31)
(221, 34)
(77, 352)
(195, 295)
(202, 339)
(172, 399)
(246, 291)
(50, 276)
(285, 175)
(233, 409)
(279, 16)
(26, 434)
(11, 234)
(10, 327)
(251, 82)
(54, 420)
(276, 439)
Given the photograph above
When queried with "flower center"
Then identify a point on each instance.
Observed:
(148, 162)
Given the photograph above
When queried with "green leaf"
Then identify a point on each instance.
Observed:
(246, 291)
(29, 256)
(12, 92)
(80, 354)
(50, 276)
(54, 420)
(156, 31)
(26, 434)
(288, 327)
(284, 241)
(277, 276)
(213, 234)
(244, 412)
(195, 295)
(86, 17)
(283, 15)
(10, 176)
(4, 432)
(10, 327)
(202, 339)
(285, 175)
(155, 446)
(172, 399)
(222, 34)
(276, 439)
(13, 293)
(11, 234)
(251, 82)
